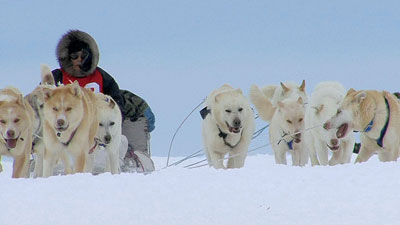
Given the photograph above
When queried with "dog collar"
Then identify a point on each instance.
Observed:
(369, 126)
(70, 138)
(224, 135)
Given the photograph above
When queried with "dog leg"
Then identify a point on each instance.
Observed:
(322, 152)
(365, 153)
(280, 156)
(217, 160)
(237, 161)
(386, 155)
(114, 162)
(48, 163)
(21, 166)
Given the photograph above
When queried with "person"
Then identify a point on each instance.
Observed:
(78, 56)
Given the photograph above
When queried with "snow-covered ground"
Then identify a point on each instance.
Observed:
(260, 193)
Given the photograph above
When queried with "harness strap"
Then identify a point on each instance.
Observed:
(70, 138)
(290, 144)
(379, 141)
(204, 112)
(224, 135)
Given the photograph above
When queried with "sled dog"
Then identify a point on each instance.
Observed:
(227, 128)
(376, 115)
(70, 127)
(324, 102)
(36, 100)
(284, 136)
(266, 99)
(16, 122)
(109, 132)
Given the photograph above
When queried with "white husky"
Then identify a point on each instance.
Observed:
(324, 102)
(266, 99)
(227, 128)
(284, 136)
(109, 134)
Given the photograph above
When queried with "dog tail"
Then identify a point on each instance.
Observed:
(47, 75)
(262, 103)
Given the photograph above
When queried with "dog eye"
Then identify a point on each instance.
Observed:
(240, 109)
(68, 109)
(55, 109)
(100, 124)
(3, 121)
(301, 119)
(338, 111)
(288, 121)
(112, 123)
(41, 106)
(228, 111)
(16, 120)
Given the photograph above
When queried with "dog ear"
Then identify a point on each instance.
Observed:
(239, 91)
(111, 103)
(47, 76)
(76, 89)
(302, 86)
(318, 109)
(300, 100)
(360, 96)
(284, 88)
(351, 90)
(47, 93)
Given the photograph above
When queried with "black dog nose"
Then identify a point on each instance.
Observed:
(60, 122)
(10, 133)
(334, 142)
(236, 122)
(107, 138)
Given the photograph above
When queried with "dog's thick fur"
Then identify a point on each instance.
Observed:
(324, 102)
(71, 124)
(356, 112)
(109, 132)
(230, 115)
(36, 100)
(287, 122)
(16, 122)
(266, 99)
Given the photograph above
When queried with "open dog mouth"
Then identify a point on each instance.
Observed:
(333, 148)
(342, 130)
(61, 129)
(233, 129)
(11, 143)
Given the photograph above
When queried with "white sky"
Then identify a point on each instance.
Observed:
(174, 53)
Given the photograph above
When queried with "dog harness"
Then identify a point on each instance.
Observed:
(224, 135)
(379, 141)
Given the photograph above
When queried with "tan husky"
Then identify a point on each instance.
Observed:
(377, 116)
(16, 118)
(70, 127)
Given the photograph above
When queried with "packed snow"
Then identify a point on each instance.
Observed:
(260, 193)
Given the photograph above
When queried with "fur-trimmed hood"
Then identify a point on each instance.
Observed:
(67, 43)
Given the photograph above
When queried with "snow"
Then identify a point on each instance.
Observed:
(260, 193)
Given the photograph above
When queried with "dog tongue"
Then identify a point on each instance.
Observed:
(11, 143)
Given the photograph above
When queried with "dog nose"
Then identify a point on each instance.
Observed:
(298, 135)
(107, 138)
(60, 122)
(236, 122)
(327, 126)
(10, 133)
(334, 142)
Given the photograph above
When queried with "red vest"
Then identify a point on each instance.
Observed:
(94, 81)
